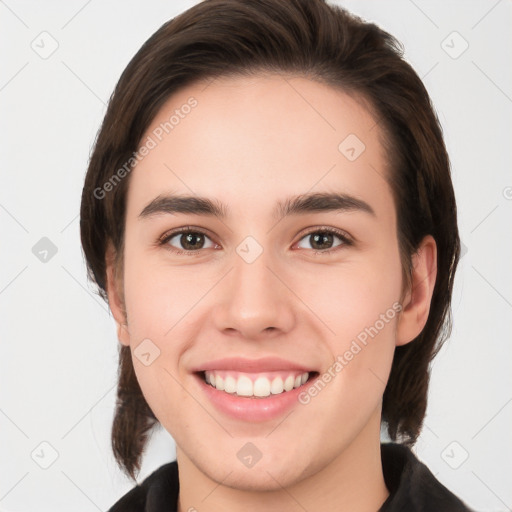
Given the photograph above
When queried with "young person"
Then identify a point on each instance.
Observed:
(269, 212)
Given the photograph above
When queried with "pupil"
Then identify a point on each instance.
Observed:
(188, 238)
(325, 238)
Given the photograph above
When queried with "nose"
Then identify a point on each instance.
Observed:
(255, 301)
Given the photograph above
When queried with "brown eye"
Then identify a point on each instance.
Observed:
(191, 241)
(187, 240)
(323, 240)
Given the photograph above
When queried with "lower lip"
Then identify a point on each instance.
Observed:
(250, 408)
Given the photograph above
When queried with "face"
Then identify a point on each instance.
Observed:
(262, 297)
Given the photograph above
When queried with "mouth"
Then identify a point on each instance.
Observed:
(256, 385)
(253, 390)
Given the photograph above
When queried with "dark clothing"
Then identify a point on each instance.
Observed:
(411, 485)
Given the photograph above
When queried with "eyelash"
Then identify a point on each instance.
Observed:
(164, 239)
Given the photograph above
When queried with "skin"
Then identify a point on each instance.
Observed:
(249, 143)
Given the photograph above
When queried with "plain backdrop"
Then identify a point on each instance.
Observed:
(58, 360)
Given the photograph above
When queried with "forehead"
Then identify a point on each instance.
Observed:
(252, 140)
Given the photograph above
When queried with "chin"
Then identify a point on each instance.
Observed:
(258, 481)
(263, 476)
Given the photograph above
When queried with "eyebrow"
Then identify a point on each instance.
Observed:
(295, 205)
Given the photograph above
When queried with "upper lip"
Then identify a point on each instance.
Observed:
(251, 365)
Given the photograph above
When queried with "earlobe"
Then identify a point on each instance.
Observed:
(122, 334)
(115, 296)
(416, 304)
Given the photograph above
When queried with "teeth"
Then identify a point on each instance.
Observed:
(219, 383)
(277, 386)
(244, 386)
(289, 382)
(260, 385)
(229, 384)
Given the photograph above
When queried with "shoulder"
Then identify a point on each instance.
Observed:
(412, 486)
(158, 491)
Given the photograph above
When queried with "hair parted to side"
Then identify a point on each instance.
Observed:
(323, 42)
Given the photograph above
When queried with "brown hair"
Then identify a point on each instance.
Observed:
(307, 38)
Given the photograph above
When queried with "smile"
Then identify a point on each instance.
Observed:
(254, 397)
(258, 385)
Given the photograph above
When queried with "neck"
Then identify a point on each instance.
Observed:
(353, 481)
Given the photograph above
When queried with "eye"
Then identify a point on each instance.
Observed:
(322, 239)
(189, 240)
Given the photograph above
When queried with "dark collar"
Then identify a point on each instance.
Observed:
(412, 487)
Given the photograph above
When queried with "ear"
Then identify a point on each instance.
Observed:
(416, 304)
(115, 295)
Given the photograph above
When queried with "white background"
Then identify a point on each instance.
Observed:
(58, 341)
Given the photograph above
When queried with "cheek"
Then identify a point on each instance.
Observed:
(157, 314)
(158, 299)
(359, 304)
(154, 308)
(353, 296)
(159, 383)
